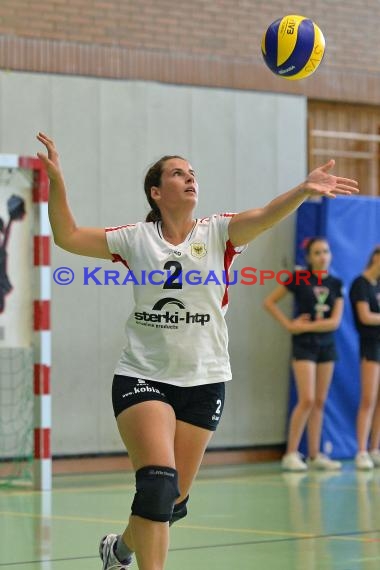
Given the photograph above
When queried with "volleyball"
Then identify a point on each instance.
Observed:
(293, 47)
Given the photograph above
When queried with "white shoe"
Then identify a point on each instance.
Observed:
(375, 456)
(293, 462)
(321, 461)
(363, 461)
(108, 556)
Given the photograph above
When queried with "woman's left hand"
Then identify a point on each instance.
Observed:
(321, 183)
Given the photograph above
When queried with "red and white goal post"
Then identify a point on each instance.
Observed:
(38, 293)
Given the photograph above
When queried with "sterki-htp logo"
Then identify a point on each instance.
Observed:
(170, 319)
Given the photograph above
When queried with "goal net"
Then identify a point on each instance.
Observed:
(16, 415)
(20, 300)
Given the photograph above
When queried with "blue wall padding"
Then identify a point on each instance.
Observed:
(352, 226)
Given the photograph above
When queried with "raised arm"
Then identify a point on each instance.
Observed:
(67, 235)
(244, 227)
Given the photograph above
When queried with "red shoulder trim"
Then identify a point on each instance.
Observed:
(119, 227)
(229, 254)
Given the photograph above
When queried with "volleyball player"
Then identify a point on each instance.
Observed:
(168, 388)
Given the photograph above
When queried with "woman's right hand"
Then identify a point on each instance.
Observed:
(51, 161)
(90, 242)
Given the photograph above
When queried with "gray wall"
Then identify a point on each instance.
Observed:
(246, 147)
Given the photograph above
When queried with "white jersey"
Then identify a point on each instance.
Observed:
(176, 332)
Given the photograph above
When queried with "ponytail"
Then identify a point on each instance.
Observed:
(154, 215)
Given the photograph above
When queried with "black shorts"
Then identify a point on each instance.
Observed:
(311, 349)
(370, 349)
(201, 406)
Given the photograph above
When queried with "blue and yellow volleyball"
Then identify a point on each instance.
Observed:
(293, 47)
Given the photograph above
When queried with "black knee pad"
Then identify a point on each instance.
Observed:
(179, 511)
(156, 492)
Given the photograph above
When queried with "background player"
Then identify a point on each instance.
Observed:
(319, 309)
(365, 301)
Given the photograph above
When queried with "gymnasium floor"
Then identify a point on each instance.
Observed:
(241, 518)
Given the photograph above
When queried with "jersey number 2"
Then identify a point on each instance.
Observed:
(174, 280)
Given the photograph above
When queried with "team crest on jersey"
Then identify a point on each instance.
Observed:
(198, 249)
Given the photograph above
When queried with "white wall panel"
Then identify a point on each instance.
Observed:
(246, 148)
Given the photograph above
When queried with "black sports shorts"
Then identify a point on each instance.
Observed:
(201, 406)
(311, 349)
(370, 349)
